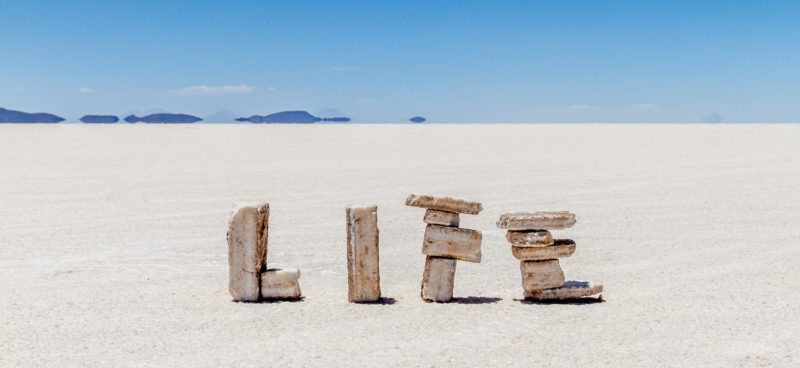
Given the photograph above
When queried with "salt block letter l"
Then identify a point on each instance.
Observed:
(248, 232)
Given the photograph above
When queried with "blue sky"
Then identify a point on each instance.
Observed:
(451, 61)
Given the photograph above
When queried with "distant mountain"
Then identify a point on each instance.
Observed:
(11, 116)
(417, 119)
(99, 119)
(225, 116)
(339, 120)
(290, 117)
(164, 119)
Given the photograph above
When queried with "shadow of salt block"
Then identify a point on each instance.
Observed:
(475, 300)
(575, 301)
(381, 301)
(277, 300)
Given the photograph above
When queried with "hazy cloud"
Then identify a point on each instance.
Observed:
(211, 90)
(85, 90)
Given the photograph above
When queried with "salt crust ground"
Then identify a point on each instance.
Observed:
(113, 252)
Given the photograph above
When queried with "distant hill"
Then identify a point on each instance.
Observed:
(290, 117)
(164, 119)
(417, 119)
(340, 119)
(11, 116)
(100, 119)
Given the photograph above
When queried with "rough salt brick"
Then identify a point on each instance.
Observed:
(570, 290)
(248, 231)
(363, 271)
(540, 275)
(443, 218)
(536, 220)
(452, 242)
(562, 248)
(446, 204)
(438, 279)
(530, 238)
(280, 284)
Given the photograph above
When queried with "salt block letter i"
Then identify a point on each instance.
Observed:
(363, 259)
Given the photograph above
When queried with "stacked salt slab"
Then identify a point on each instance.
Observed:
(249, 278)
(363, 259)
(533, 244)
(445, 243)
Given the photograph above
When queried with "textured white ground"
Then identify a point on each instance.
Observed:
(113, 251)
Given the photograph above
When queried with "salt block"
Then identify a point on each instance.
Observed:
(442, 218)
(363, 271)
(540, 275)
(280, 284)
(438, 279)
(562, 248)
(452, 242)
(446, 204)
(248, 232)
(570, 290)
(536, 220)
(529, 238)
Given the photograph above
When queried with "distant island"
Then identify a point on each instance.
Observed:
(99, 119)
(417, 119)
(290, 117)
(164, 119)
(11, 116)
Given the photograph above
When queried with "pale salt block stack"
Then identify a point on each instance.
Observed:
(452, 242)
(363, 259)
(442, 218)
(280, 284)
(438, 279)
(528, 221)
(532, 238)
(540, 275)
(445, 243)
(445, 204)
(248, 229)
(533, 244)
(570, 290)
(561, 248)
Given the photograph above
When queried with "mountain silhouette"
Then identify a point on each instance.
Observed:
(99, 119)
(164, 119)
(12, 116)
(290, 117)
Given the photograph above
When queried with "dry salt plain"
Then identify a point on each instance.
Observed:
(113, 250)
